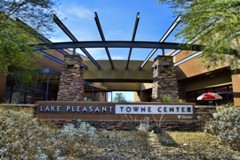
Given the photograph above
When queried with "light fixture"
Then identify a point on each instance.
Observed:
(165, 64)
(70, 64)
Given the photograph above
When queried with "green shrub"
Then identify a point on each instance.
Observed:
(166, 98)
(181, 101)
(226, 125)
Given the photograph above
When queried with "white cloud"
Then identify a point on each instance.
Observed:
(79, 12)
(75, 15)
(82, 12)
(59, 39)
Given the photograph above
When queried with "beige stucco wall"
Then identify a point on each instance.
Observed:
(236, 88)
(136, 97)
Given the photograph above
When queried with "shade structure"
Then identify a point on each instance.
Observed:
(209, 96)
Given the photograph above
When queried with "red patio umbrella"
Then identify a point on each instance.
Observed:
(209, 96)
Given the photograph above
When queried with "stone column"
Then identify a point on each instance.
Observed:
(236, 87)
(71, 81)
(164, 79)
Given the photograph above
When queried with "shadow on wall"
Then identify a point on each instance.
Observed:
(179, 73)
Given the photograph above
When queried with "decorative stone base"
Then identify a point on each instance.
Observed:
(120, 125)
(164, 79)
(71, 82)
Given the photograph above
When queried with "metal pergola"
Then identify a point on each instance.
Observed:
(82, 45)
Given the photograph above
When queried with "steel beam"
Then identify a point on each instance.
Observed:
(64, 28)
(188, 58)
(44, 39)
(133, 38)
(164, 37)
(41, 37)
(175, 52)
(84, 66)
(49, 56)
(103, 38)
(47, 87)
(206, 30)
(74, 39)
(119, 44)
(49, 71)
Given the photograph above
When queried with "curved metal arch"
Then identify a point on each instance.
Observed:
(119, 44)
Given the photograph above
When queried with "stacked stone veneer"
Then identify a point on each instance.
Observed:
(71, 82)
(164, 79)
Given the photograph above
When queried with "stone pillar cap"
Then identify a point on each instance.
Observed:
(161, 56)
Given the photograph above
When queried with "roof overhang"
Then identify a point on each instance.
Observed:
(119, 74)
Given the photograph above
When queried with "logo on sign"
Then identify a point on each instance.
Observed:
(184, 117)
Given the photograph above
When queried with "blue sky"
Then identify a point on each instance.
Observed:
(117, 18)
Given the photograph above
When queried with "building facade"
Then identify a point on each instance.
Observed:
(193, 79)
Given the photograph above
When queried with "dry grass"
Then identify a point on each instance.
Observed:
(191, 145)
(165, 146)
(28, 110)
